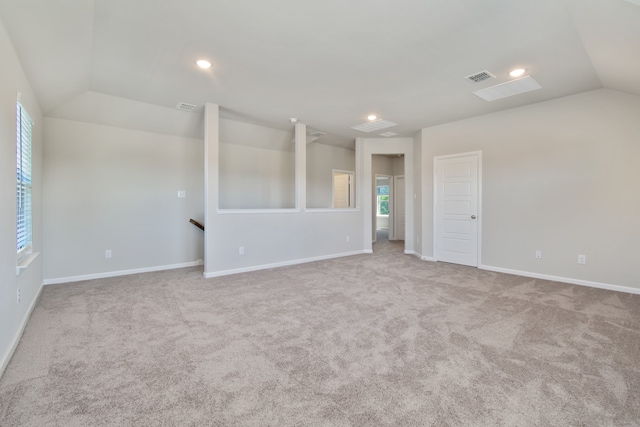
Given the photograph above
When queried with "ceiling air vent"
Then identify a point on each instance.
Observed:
(504, 90)
(317, 134)
(374, 125)
(480, 77)
(183, 106)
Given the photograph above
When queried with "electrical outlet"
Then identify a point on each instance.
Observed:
(538, 254)
(347, 239)
(182, 194)
(107, 253)
(18, 301)
(241, 250)
(582, 259)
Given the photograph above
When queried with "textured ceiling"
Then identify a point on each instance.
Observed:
(329, 63)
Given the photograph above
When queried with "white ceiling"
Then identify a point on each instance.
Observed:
(328, 63)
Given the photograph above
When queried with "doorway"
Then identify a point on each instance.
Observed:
(383, 207)
(457, 206)
(388, 202)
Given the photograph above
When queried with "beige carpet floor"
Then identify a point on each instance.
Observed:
(367, 340)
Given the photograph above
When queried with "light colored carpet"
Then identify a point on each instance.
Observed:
(382, 339)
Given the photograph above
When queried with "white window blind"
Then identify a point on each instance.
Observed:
(23, 179)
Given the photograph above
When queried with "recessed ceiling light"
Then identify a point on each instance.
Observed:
(372, 117)
(517, 72)
(203, 63)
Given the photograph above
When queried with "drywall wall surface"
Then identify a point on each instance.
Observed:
(108, 110)
(256, 167)
(272, 239)
(322, 159)
(250, 239)
(252, 135)
(13, 315)
(116, 189)
(560, 177)
(398, 166)
(256, 178)
(381, 165)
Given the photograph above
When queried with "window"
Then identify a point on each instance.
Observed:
(23, 180)
(382, 193)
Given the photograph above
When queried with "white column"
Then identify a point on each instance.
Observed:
(211, 157)
(301, 165)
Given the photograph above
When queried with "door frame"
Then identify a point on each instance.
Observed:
(374, 207)
(435, 199)
(352, 186)
(395, 216)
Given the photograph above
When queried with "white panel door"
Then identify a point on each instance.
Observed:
(399, 204)
(456, 187)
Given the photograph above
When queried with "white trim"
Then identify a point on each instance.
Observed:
(367, 251)
(569, 280)
(121, 273)
(25, 261)
(278, 264)
(325, 210)
(409, 252)
(435, 200)
(257, 211)
(16, 339)
(422, 257)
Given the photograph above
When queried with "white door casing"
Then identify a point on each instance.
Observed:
(457, 208)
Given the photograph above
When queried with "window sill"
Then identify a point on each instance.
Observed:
(25, 262)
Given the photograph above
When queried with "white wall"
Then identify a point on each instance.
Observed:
(270, 238)
(256, 178)
(257, 167)
(322, 159)
(117, 189)
(13, 316)
(398, 166)
(561, 177)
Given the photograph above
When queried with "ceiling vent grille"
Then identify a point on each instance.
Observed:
(480, 77)
(374, 125)
(317, 134)
(504, 90)
(183, 106)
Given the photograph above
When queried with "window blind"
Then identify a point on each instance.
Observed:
(23, 180)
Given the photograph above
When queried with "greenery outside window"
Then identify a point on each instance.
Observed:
(382, 192)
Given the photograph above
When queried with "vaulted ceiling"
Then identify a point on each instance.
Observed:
(328, 63)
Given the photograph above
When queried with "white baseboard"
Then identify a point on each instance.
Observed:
(367, 251)
(16, 339)
(580, 282)
(121, 273)
(420, 256)
(279, 264)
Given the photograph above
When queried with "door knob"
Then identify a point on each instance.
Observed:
(473, 217)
